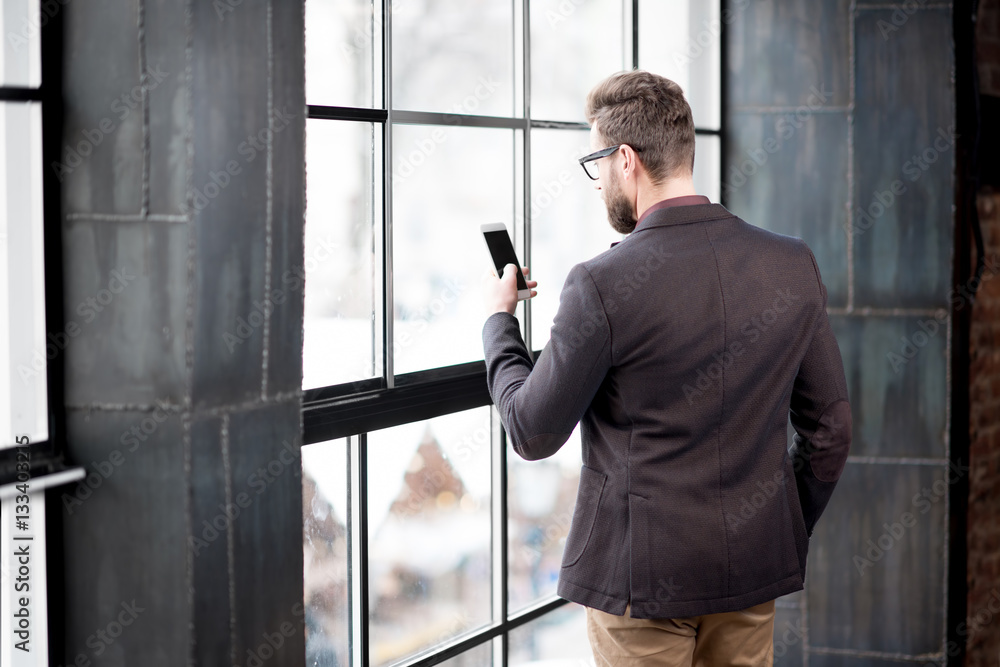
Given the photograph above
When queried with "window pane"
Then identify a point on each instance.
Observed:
(447, 182)
(541, 496)
(325, 552)
(343, 300)
(559, 637)
(569, 223)
(24, 350)
(21, 53)
(480, 656)
(430, 531)
(343, 52)
(453, 56)
(680, 39)
(707, 167)
(573, 46)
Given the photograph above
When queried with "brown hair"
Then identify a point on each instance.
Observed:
(648, 112)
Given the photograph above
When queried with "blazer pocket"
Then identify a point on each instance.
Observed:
(588, 501)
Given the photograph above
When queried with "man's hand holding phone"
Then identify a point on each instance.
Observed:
(500, 294)
(503, 293)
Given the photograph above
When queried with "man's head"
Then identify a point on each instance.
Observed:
(648, 116)
(648, 112)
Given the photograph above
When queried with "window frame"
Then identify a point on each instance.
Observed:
(47, 456)
(49, 467)
(351, 410)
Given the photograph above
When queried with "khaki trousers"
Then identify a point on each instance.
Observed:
(744, 638)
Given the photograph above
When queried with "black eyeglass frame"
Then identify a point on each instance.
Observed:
(597, 155)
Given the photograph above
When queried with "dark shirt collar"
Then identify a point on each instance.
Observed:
(686, 200)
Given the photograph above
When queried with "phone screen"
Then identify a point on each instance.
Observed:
(502, 251)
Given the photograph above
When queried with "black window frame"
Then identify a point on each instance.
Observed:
(47, 457)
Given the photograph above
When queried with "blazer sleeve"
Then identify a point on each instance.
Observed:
(541, 404)
(821, 416)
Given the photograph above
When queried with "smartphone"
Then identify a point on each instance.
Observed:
(502, 252)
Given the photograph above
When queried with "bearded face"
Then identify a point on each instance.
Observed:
(620, 213)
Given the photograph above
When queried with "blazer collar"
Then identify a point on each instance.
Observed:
(679, 215)
(682, 215)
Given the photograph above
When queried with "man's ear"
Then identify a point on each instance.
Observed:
(630, 161)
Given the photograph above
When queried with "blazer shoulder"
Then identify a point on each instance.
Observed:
(788, 247)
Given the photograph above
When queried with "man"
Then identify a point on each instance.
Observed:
(682, 351)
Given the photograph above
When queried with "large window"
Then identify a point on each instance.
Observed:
(33, 330)
(23, 362)
(426, 540)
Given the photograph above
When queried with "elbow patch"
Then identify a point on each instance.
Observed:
(832, 442)
(541, 446)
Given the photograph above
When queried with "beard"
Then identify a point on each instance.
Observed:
(620, 213)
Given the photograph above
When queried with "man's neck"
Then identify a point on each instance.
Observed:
(668, 189)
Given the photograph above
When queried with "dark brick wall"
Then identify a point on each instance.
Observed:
(984, 422)
(983, 615)
(183, 191)
(988, 46)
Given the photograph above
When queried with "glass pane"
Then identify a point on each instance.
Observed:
(569, 222)
(343, 52)
(325, 552)
(480, 656)
(24, 350)
(429, 531)
(447, 182)
(453, 56)
(21, 53)
(574, 45)
(343, 299)
(541, 496)
(680, 39)
(707, 167)
(558, 639)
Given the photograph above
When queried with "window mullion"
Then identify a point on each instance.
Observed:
(388, 365)
(499, 516)
(526, 153)
(357, 541)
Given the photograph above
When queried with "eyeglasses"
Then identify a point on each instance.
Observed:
(589, 162)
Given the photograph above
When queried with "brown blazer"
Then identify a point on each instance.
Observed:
(683, 351)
